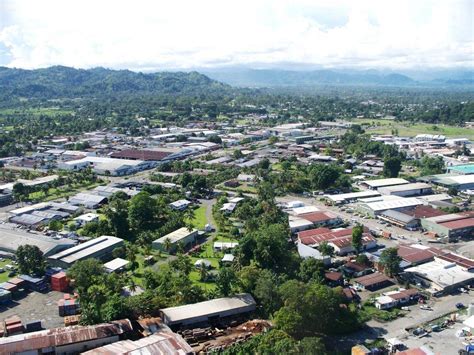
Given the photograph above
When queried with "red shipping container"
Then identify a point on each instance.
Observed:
(12, 320)
(59, 282)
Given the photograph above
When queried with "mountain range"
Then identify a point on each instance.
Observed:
(275, 77)
(66, 82)
(60, 81)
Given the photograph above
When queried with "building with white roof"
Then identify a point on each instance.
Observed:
(183, 236)
(405, 190)
(299, 224)
(11, 238)
(213, 311)
(376, 184)
(86, 218)
(439, 276)
(98, 248)
(87, 200)
(375, 208)
(107, 166)
(305, 209)
(220, 246)
(180, 205)
(352, 196)
(118, 264)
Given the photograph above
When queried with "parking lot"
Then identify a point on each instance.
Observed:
(35, 306)
(444, 340)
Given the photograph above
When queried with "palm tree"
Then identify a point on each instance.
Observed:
(167, 245)
(203, 272)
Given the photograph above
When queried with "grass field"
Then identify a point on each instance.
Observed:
(412, 129)
(55, 193)
(48, 111)
(4, 275)
(199, 221)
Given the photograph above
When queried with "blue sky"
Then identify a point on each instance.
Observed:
(157, 35)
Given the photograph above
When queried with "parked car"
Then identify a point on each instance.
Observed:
(460, 305)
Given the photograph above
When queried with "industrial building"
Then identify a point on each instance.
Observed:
(161, 342)
(351, 197)
(376, 208)
(87, 200)
(67, 340)
(339, 239)
(443, 274)
(376, 184)
(214, 311)
(452, 225)
(11, 238)
(466, 169)
(320, 218)
(107, 166)
(142, 154)
(400, 219)
(182, 236)
(99, 248)
(458, 182)
(406, 190)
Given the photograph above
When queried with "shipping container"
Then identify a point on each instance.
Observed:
(33, 326)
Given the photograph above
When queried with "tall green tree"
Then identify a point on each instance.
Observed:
(392, 166)
(30, 260)
(142, 212)
(117, 215)
(226, 281)
(390, 260)
(357, 233)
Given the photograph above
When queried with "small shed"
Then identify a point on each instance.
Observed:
(116, 265)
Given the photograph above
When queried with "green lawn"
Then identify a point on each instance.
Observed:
(409, 129)
(199, 221)
(48, 111)
(208, 253)
(372, 312)
(55, 193)
(4, 275)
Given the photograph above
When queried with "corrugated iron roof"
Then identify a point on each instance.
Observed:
(163, 342)
(62, 336)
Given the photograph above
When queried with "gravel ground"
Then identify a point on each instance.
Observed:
(35, 306)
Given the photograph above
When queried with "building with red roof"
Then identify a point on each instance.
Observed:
(451, 226)
(339, 239)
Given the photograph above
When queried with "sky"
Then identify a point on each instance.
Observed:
(161, 35)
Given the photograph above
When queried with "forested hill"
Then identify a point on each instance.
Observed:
(66, 82)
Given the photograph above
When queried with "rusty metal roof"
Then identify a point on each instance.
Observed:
(62, 336)
(163, 342)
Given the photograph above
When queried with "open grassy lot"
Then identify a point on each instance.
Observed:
(4, 275)
(199, 221)
(412, 129)
(48, 111)
(64, 191)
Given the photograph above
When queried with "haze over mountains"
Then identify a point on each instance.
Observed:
(60, 81)
(278, 77)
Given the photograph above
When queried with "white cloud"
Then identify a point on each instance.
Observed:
(184, 34)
